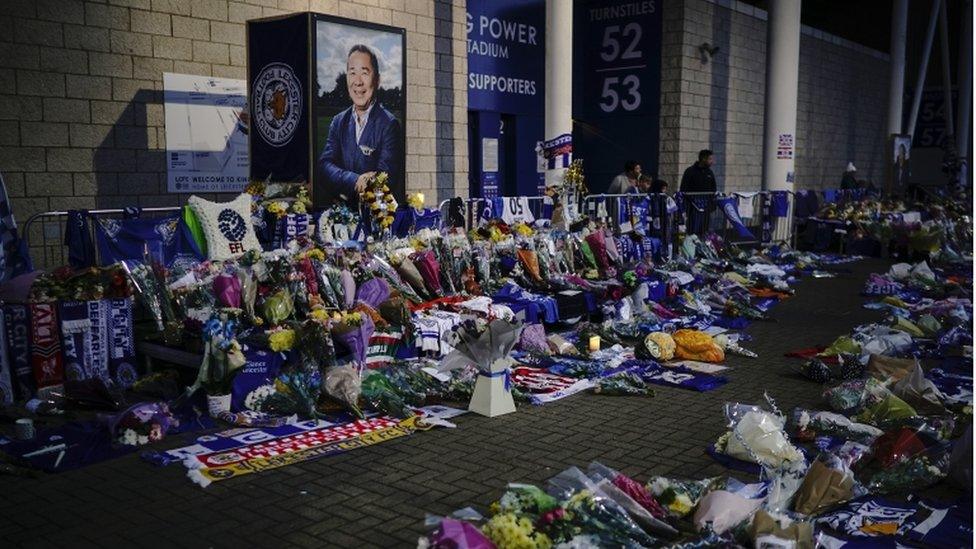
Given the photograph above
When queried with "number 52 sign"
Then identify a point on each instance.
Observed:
(622, 56)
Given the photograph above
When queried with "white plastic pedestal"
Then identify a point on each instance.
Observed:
(490, 397)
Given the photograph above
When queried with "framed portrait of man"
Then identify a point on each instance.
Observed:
(899, 167)
(358, 108)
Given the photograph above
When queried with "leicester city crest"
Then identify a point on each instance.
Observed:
(277, 96)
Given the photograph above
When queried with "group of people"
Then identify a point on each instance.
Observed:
(698, 178)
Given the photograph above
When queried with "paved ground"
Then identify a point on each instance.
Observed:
(378, 496)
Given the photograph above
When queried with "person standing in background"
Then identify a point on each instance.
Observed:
(699, 178)
(623, 182)
(849, 181)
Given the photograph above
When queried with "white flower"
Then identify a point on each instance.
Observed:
(256, 397)
(143, 439)
(129, 437)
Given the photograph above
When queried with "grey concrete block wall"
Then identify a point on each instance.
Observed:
(717, 101)
(81, 106)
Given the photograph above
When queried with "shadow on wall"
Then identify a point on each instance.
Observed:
(125, 168)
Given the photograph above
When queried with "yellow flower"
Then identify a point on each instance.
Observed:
(524, 229)
(416, 201)
(315, 254)
(276, 208)
(320, 315)
(255, 188)
(298, 207)
(282, 340)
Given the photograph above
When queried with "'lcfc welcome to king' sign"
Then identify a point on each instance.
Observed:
(506, 55)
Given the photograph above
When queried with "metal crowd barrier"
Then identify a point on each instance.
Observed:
(698, 214)
(45, 231)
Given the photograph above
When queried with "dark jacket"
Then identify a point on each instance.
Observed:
(343, 160)
(698, 179)
(848, 181)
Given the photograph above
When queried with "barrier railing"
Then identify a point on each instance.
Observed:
(697, 213)
(49, 227)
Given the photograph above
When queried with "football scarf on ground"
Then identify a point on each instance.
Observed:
(293, 443)
(547, 387)
(18, 331)
(206, 475)
(45, 346)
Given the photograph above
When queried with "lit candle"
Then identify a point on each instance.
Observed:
(594, 343)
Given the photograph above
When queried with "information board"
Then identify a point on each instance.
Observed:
(206, 137)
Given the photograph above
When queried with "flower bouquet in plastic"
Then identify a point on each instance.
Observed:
(144, 282)
(352, 331)
(679, 497)
(757, 436)
(141, 424)
(486, 345)
(593, 512)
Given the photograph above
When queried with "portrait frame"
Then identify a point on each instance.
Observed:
(331, 36)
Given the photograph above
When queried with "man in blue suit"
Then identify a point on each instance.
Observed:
(363, 139)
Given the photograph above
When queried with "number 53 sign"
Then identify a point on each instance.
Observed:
(622, 57)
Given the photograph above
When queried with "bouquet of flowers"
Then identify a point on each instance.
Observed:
(509, 530)
(144, 281)
(295, 393)
(343, 384)
(377, 264)
(91, 284)
(222, 356)
(352, 331)
(380, 201)
(277, 307)
(141, 424)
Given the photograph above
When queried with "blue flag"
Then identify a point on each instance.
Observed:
(730, 208)
(14, 258)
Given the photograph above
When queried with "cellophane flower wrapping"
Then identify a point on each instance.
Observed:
(144, 282)
(637, 491)
(348, 289)
(325, 274)
(679, 497)
(593, 511)
(343, 384)
(383, 396)
(445, 262)
(411, 275)
(296, 393)
(227, 288)
(757, 436)
(277, 307)
(480, 343)
(354, 336)
(429, 270)
(458, 534)
(141, 423)
(372, 292)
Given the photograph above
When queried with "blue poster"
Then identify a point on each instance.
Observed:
(616, 86)
(506, 55)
